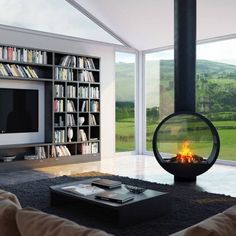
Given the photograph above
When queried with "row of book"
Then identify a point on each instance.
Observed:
(59, 122)
(89, 148)
(59, 151)
(84, 62)
(58, 105)
(86, 76)
(92, 119)
(70, 120)
(40, 152)
(84, 106)
(70, 106)
(82, 135)
(83, 92)
(23, 55)
(71, 91)
(59, 136)
(68, 61)
(64, 74)
(94, 92)
(17, 70)
(94, 106)
(59, 90)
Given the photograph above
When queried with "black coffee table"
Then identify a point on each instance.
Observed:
(149, 204)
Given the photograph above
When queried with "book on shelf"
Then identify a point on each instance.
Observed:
(94, 92)
(71, 91)
(92, 120)
(59, 136)
(94, 106)
(83, 189)
(58, 90)
(84, 107)
(85, 148)
(84, 62)
(64, 74)
(23, 55)
(86, 76)
(82, 135)
(17, 71)
(114, 197)
(58, 105)
(40, 152)
(94, 148)
(70, 106)
(59, 151)
(68, 61)
(83, 92)
(106, 183)
(70, 121)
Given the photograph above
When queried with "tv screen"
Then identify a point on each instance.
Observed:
(19, 110)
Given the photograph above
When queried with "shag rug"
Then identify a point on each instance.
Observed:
(188, 206)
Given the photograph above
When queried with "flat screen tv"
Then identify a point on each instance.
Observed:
(18, 110)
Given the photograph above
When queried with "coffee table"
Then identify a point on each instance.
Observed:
(144, 206)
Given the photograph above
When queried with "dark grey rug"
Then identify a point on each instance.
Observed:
(188, 206)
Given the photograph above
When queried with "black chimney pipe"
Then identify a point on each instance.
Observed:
(185, 54)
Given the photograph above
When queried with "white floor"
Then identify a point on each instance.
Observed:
(219, 179)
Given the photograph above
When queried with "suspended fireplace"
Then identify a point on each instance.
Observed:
(186, 144)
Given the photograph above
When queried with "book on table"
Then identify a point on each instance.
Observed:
(114, 197)
(83, 189)
(106, 183)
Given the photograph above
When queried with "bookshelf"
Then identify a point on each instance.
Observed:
(72, 105)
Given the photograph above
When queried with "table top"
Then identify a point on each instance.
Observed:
(138, 198)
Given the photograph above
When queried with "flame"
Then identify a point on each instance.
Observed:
(185, 155)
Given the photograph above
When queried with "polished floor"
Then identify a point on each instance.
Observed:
(219, 179)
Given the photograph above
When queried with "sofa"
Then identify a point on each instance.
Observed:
(18, 221)
(222, 224)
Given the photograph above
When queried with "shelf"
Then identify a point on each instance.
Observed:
(25, 63)
(23, 78)
(53, 120)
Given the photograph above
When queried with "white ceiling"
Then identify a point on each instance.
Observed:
(148, 24)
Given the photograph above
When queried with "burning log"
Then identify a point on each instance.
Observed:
(185, 156)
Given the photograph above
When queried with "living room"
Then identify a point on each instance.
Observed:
(148, 102)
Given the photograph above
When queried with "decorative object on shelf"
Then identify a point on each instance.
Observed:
(81, 120)
(70, 133)
(135, 189)
(7, 158)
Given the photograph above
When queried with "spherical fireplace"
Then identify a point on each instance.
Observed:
(186, 145)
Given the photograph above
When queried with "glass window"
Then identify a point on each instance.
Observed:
(125, 68)
(159, 94)
(216, 91)
(54, 16)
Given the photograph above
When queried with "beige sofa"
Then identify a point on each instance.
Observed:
(18, 221)
(222, 224)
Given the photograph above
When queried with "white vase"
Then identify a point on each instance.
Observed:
(70, 134)
(81, 120)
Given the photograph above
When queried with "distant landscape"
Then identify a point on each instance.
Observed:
(215, 98)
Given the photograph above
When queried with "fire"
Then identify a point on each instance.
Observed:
(185, 155)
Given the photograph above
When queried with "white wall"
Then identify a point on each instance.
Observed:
(107, 74)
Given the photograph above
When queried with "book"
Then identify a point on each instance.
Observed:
(114, 197)
(83, 189)
(106, 183)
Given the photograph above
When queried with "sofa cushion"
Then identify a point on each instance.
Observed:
(33, 222)
(8, 211)
(7, 195)
(222, 224)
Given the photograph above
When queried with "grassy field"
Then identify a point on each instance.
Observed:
(125, 138)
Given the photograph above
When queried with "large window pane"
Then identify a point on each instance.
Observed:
(125, 93)
(216, 90)
(159, 94)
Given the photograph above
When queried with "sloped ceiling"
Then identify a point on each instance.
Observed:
(148, 24)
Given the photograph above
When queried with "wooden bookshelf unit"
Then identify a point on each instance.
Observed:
(72, 106)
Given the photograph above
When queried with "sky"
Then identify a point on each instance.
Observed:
(54, 16)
